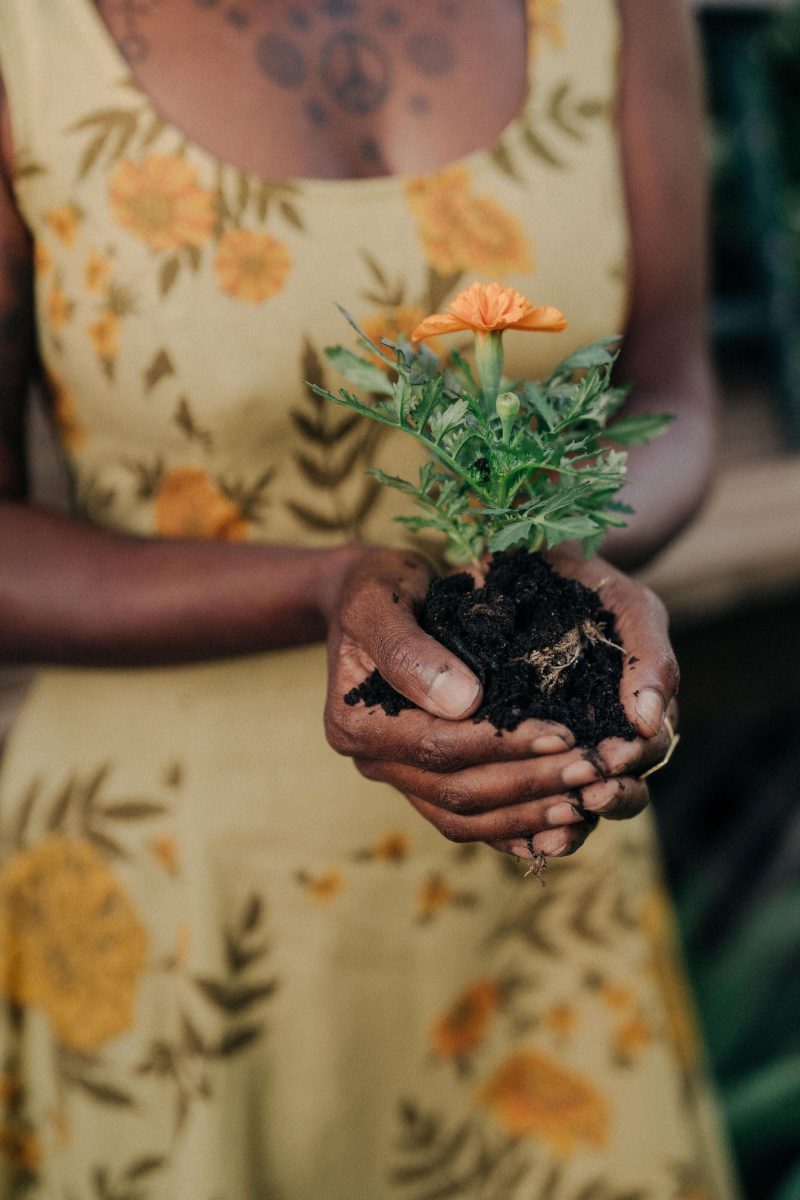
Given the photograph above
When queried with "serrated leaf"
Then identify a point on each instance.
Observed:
(442, 422)
(358, 371)
(394, 481)
(511, 535)
(585, 357)
(638, 428)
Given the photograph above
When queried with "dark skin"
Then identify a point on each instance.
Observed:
(73, 593)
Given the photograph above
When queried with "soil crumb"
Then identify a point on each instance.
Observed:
(542, 646)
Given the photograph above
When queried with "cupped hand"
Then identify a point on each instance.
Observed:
(471, 783)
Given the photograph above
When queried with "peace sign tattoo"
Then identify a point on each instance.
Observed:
(356, 72)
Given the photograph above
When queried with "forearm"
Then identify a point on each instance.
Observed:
(670, 477)
(72, 593)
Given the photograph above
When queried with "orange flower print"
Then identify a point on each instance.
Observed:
(489, 308)
(42, 258)
(392, 848)
(465, 1024)
(561, 1020)
(162, 203)
(631, 1037)
(434, 895)
(164, 850)
(616, 996)
(96, 272)
(69, 428)
(324, 887)
(681, 1020)
(544, 21)
(251, 266)
(533, 1096)
(104, 334)
(19, 1149)
(58, 309)
(71, 942)
(64, 222)
(462, 232)
(188, 505)
(392, 323)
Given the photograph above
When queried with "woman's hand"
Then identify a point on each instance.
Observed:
(470, 783)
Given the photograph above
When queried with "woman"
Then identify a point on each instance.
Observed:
(232, 967)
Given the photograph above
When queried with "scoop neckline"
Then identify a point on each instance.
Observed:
(360, 183)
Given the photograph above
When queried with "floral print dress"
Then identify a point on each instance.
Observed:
(229, 966)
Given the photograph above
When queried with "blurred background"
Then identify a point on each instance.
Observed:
(730, 809)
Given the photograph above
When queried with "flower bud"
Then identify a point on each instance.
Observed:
(507, 405)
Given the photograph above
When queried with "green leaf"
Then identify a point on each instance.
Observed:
(394, 481)
(594, 355)
(442, 422)
(535, 395)
(638, 428)
(511, 535)
(358, 371)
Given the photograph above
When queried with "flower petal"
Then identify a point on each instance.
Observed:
(436, 324)
(546, 320)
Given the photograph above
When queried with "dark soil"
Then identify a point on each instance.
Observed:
(533, 638)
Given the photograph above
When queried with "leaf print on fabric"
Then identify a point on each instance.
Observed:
(189, 505)
(162, 203)
(71, 432)
(532, 1095)
(64, 222)
(112, 132)
(20, 1145)
(104, 334)
(552, 130)
(72, 943)
(251, 266)
(460, 231)
(334, 449)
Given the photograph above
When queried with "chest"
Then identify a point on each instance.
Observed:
(328, 88)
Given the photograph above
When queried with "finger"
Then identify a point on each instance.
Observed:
(381, 619)
(616, 799)
(486, 787)
(619, 757)
(417, 738)
(554, 843)
(512, 824)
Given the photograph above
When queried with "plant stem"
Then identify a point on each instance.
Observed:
(489, 361)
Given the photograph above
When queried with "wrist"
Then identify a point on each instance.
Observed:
(331, 578)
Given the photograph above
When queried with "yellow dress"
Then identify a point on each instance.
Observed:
(231, 968)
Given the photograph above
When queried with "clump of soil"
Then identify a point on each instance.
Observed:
(542, 646)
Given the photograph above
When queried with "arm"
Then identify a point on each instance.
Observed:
(665, 353)
(72, 593)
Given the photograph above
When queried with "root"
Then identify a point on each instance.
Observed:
(537, 869)
(553, 662)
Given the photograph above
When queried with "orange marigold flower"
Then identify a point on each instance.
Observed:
(616, 996)
(71, 942)
(544, 19)
(632, 1036)
(164, 850)
(58, 308)
(325, 887)
(251, 266)
(393, 847)
(162, 203)
(535, 1097)
(489, 308)
(464, 1025)
(188, 505)
(463, 232)
(96, 272)
(64, 222)
(104, 334)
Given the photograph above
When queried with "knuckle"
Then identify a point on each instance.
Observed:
(452, 828)
(433, 753)
(337, 735)
(452, 797)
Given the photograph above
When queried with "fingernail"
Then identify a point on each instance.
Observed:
(579, 773)
(454, 692)
(650, 710)
(520, 849)
(553, 844)
(550, 743)
(563, 814)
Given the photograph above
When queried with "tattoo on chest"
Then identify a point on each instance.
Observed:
(335, 55)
